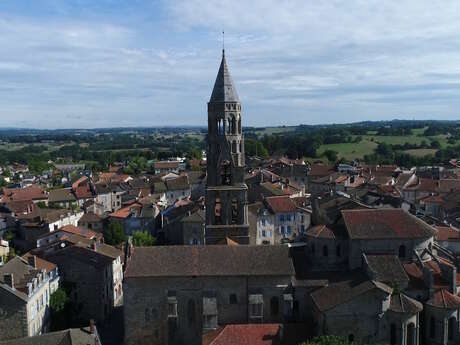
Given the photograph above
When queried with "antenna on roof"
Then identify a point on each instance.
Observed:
(223, 42)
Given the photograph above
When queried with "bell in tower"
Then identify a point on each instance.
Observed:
(226, 192)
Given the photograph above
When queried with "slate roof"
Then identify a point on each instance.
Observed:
(444, 299)
(216, 260)
(224, 89)
(344, 291)
(387, 268)
(384, 224)
(72, 336)
(401, 303)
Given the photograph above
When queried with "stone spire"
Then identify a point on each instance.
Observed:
(224, 90)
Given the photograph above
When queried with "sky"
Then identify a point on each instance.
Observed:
(118, 63)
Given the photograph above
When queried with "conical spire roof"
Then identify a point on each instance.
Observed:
(224, 90)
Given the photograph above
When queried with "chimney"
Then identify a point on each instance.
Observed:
(32, 260)
(94, 245)
(281, 333)
(92, 327)
(8, 278)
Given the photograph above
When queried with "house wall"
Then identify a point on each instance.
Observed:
(150, 296)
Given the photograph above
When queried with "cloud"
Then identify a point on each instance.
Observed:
(127, 63)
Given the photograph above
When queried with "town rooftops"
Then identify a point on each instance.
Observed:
(384, 224)
(61, 195)
(216, 260)
(386, 268)
(22, 273)
(344, 291)
(166, 165)
(33, 192)
(281, 204)
(72, 336)
(447, 233)
(401, 303)
(444, 299)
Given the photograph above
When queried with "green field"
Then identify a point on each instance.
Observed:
(350, 151)
(421, 152)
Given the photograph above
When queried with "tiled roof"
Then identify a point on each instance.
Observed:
(79, 231)
(281, 204)
(178, 183)
(401, 303)
(90, 218)
(387, 268)
(166, 165)
(61, 195)
(20, 194)
(216, 260)
(21, 206)
(321, 231)
(447, 233)
(320, 170)
(344, 291)
(249, 334)
(72, 336)
(41, 263)
(384, 223)
(444, 299)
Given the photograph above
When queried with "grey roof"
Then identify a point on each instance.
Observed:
(61, 195)
(401, 303)
(387, 268)
(216, 260)
(224, 90)
(72, 336)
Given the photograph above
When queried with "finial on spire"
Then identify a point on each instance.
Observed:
(223, 42)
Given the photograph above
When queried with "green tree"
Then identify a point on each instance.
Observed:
(143, 239)
(114, 234)
(58, 300)
(435, 144)
(331, 155)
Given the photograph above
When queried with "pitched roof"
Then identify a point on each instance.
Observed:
(216, 260)
(384, 223)
(401, 303)
(61, 195)
(33, 192)
(321, 231)
(447, 233)
(79, 231)
(22, 274)
(178, 183)
(387, 268)
(344, 291)
(281, 204)
(72, 336)
(166, 165)
(40, 263)
(249, 334)
(224, 89)
(444, 299)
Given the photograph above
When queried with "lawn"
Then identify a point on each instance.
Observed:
(350, 151)
(421, 152)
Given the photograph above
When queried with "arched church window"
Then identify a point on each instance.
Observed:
(234, 148)
(410, 334)
(274, 305)
(402, 251)
(233, 125)
(451, 328)
(432, 327)
(393, 334)
(228, 126)
(239, 125)
(241, 146)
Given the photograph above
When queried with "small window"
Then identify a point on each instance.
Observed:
(338, 251)
(147, 315)
(451, 328)
(313, 248)
(288, 217)
(402, 251)
(172, 307)
(233, 299)
(325, 251)
(282, 218)
(256, 306)
(191, 311)
(274, 306)
(432, 327)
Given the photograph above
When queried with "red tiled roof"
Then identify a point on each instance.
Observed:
(281, 204)
(79, 231)
(444, 299)
(21, 194)
(447, 233)
(248, 334)
(21, 206)
(41, 263)
(125, 211)
(321, 231)
(384, 223)
(80, 182)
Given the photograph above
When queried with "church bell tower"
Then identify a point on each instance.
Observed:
(226, 192)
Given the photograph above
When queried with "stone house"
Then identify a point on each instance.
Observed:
(62, 197)
(177, 188)
(166, 167)
(24, 295)
(91, 221)
(95, 275)
(195, 289)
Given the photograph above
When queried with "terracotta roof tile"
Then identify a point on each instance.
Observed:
(281, 204)
(401, 303)
(249, 334)
(385, 223)
(444, 299)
